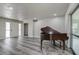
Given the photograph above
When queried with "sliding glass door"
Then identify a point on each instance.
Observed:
(19, 29)
(7, 29)
(75, 31)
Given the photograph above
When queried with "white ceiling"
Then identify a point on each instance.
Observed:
(32, 10)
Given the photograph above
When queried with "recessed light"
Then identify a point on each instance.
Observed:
(55, 14)
(10, 8)
(35, 18)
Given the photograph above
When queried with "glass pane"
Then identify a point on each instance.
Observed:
(75, 31)
(75, 22)
(7, 29)
(75, 44)
(7, 25)
(19, 29)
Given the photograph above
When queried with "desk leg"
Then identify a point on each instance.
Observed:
(63, 44)
(60, 44)
(41, 44)
(54, 42)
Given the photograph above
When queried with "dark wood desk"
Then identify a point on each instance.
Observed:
(45, 35)
(62, 37)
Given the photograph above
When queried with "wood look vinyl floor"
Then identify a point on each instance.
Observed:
(29, 46)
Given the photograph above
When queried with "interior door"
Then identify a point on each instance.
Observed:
(25, 29)
(75, 31)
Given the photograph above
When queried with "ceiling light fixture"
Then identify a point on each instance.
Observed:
(35, 19)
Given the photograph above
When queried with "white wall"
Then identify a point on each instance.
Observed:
(14, 27)
(2, 29)
(57, 23)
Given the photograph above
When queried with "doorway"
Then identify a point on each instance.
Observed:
(25, 29)
(7, 29)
